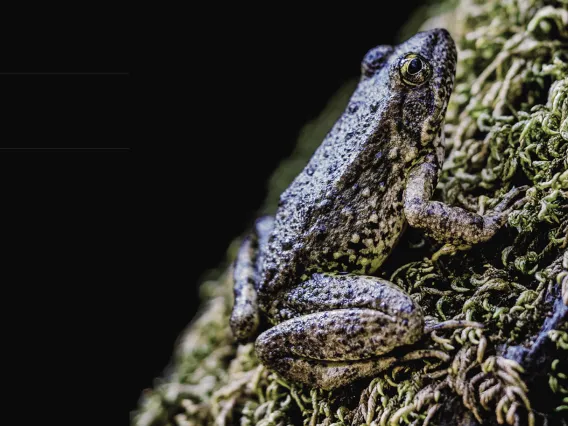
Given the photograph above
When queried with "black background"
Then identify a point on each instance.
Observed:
(251, 86)
(67, 216)
(107, 250)
(65, 76)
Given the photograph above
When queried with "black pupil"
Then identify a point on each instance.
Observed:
(415, 66)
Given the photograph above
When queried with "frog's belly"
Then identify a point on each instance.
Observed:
(360, 247)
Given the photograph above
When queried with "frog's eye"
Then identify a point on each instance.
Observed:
(375, 59)
(414, 69)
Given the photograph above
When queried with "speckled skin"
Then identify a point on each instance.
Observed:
(309, 269)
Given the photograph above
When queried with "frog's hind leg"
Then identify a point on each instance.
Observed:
(309, 349)
(245, 315)
(344, 323)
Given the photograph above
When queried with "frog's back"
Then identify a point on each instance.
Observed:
(344, 211)
(332, 217)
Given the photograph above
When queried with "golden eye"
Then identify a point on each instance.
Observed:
(414, 69)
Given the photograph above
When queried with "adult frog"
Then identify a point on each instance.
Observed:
(310, 270)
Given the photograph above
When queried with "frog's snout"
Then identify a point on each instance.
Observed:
(440, 47)
(440, 33)
(436, 37)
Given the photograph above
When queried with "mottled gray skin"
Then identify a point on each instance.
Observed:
(309, 270)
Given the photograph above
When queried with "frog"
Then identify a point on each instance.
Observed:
(310, 273)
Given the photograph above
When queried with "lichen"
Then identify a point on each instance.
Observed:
(507, 125)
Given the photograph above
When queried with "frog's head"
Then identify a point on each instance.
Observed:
(420, 74)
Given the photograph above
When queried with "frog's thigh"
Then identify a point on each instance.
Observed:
(245, 316)
(345, 322)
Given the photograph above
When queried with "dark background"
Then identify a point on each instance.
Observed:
(108, 254)
(65, 76)
(260, 78)
(67, 217)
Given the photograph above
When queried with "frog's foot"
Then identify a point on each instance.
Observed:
(451, 324)
(497, 217)
(505, 203)
(449, 250)
(344, 323)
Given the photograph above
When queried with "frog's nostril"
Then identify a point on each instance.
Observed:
(440, 33)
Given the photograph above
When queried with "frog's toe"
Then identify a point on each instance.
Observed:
(505, 203)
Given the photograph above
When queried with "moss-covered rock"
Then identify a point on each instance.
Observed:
(507, 125)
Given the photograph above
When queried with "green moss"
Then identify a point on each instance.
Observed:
(507, 125)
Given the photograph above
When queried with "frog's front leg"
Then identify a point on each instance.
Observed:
(445, 223)
(340, 325)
